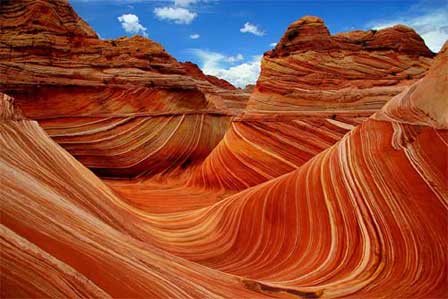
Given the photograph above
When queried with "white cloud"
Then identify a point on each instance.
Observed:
(251, 28)
(194, 36)
(432, 25)
(273, 44)
(235, 58)
(216, 64)
(131, 24)
(178, 15)
(184, 3)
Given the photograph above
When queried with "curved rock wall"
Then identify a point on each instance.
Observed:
(364, 218)
(59, 71)
(316, 201)
(313, 88)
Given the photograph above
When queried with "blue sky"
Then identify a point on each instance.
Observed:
(226, 38)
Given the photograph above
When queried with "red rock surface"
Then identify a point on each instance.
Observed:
(313, 88)
(98, 96)
(48, 50)
(311, 70)
(65, 234)
(378, 200)
(333, 203)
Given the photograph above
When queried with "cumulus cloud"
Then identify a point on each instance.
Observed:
(217, 64)
(131, 24)
(236, 58)
(273, 44)
(251, 28)
(432, 25)
(194, 36)
(178, 15)
(184, 3)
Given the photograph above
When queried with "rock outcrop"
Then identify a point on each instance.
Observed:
(364, 218)
(65, 234)
(314, 191)
(46, 49)
(98, 97)
(310, 70)
(313, 89)
(8, 111)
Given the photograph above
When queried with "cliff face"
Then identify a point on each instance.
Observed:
(311, 70)
(98, 98)
(47, 49)
(313, 89)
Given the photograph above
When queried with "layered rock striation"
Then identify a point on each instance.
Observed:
(313, 88)
(378, 199)
(48, 50)
(311, 70)
(364, 218)
(314, 191)
(64, 233)
(80, 87)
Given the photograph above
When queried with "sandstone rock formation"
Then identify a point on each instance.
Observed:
(378, 198)
(313, 88)
(378, 237)
(48, 50)
(64, 233)
(319, 199)
(311, 70)
(80, 87)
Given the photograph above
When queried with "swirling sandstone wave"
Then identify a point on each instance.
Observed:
(313, 88)
(333, 203)
(254, 151)
(139, 145)
(61, 74)
(378, 199)
(64, 233)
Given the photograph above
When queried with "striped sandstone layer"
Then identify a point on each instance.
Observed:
(64, 233)
(103, 95)
(365, 218)
(361, 214)
(313, 89)
(311, 70)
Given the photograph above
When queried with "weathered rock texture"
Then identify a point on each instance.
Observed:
(108, 93)
(313, 88)
(47, 52)
(334, 202)
(65, 234)
(311, 70)
(365, 218)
